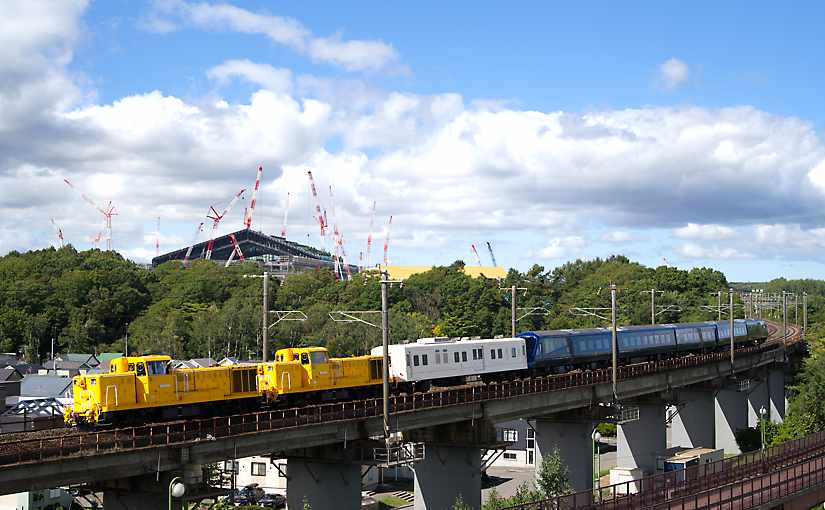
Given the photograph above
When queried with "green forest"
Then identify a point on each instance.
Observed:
(88, 301)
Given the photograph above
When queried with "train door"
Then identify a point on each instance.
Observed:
(142, 390)
(162, 385)
(320, 369)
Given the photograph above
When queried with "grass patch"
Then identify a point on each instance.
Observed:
(393, 502)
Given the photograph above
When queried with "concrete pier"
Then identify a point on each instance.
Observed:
(730, 415)
(776, 395)
(692, 425)
(757, 399)
(324, 485)
(572, 438)
(641, 442)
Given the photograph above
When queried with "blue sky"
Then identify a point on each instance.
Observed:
(687, 132)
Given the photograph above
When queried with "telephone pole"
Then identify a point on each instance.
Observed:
(784, 316)
(385, 339)
(804, 314)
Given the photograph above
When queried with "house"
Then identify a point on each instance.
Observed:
(194, 363)
(228, 361)
(105, 358)
(37, 500)
(9, 386)
(71, 364)
(521, 450)
(45, 386)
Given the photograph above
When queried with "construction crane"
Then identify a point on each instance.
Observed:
(194, 242)
(157, 239)
(475, 252)
(369, 237)
(248, 212)
(492, 255)
(286, 216)
(336, 236)
(107, 212)
(58, 232)
(387, 243)
(95, 240)
(320, 217)
(236, 248)
(216, 221)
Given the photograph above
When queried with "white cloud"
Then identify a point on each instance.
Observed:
(704, 232)
(264, 75)
(706, 252)
(817, 175)
(673, 72)
(449, 169)
(562, 247)
(618, 237)
(352, 55)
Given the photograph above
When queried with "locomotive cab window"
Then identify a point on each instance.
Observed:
(131, 367)
(156, 367)
(318, 357)
(304, 359)
(141, 369)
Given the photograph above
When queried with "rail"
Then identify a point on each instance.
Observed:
(194, 431)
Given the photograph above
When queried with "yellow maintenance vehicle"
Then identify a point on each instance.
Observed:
(308, 374)
(144, 388)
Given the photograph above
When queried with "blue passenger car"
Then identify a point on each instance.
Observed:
(757, 330)
(696, 336)
(740, 332)
(547, 348)
(644, 340)
(590, 344)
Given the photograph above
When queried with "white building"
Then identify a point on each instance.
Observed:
(36, 500)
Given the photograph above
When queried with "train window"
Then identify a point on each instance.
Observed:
(437, 357)
(500, 355)
(304, 359)
(444, 357)
(480, 353)
(415, 360)
(424, 359)
(318, 357)
(456, 357)
(408, 359)
(492, 354)
(156, 367)
(475, 354)
(523, 350)
(512, 352)
(141, 369)
(131, 367)
(463, 355)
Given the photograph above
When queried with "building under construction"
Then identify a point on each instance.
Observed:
(276, 254)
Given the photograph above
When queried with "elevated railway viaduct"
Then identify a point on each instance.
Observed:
(327, 444)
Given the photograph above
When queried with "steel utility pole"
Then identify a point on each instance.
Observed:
(795, 309)
(730, 295)
(614, 337)
(719, 304)
(804, 314)
(265, 320)
(385, 338)
(513, 319)
(784, 316)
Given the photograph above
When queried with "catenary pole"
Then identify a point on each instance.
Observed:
(614, 337)
(265, 320)
(730, 314)
(513, 310)
(385, 338)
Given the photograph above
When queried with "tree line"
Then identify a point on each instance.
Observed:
(89, 301)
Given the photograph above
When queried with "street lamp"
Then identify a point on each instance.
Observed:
(762, 413)
(176, 489)
(597, 461)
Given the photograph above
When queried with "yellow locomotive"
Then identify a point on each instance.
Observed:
(146, 388)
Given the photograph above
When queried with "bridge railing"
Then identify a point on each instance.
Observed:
(696, 481)
(193, 431)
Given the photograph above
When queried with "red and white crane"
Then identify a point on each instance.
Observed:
(107, 212)
(319, 216)
(387, 243)
(253, 201)
(369, 236)
(236, 248)
(58, 232)
(286, 216)
(475, 252)
(96, 239)
(216, 221)
(194, 242)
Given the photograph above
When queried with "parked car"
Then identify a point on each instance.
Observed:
(272, 501)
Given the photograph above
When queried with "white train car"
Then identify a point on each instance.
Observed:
(435, 359)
